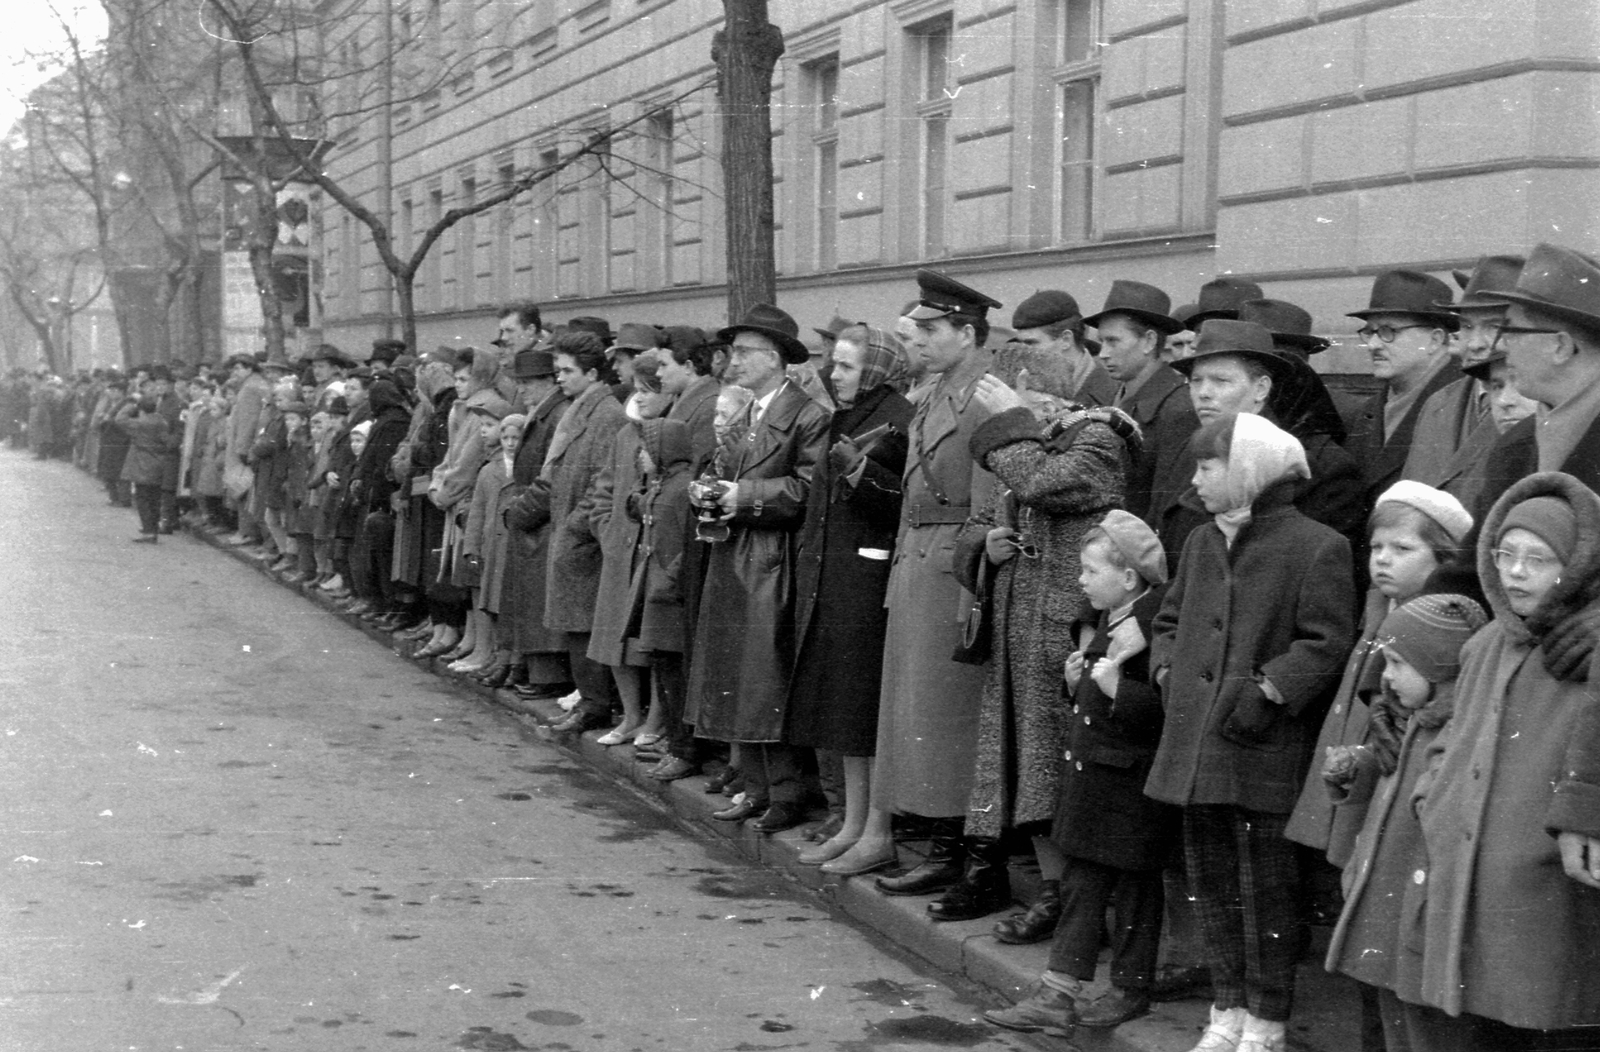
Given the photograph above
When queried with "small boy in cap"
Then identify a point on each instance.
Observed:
(1115, 838)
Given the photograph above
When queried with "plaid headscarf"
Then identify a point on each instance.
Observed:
(883, 359)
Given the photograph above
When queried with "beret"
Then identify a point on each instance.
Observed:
(1138, 544)
(1436, 504)
(1045, 307)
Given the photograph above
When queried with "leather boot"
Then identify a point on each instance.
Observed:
(946, 860)
(1038, 923)
(984, 888)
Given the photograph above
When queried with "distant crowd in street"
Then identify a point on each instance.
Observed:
(1226, 651)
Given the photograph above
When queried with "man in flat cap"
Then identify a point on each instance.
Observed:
(1407, 333)
(1133, 326)
(928, 709)
(743, 645)
(1049, 323)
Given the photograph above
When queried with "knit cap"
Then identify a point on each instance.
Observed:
(1429, 631)
(1551, 519)
(1436, 504)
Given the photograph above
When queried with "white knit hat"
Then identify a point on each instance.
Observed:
(1436, 504)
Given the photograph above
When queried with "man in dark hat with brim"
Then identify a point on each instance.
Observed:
(1133, 326)
(928, 707)
(1050, 323)
(1454, 430)
(385, 349)
(1407, 333)
(739, 679)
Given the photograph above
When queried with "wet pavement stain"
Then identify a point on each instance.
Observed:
(738, 886)
(554, 1017)
(399, 1033)
(772, 1026)
(488, 1038)
(513, 796)
(926, 1029)
(510, 993)
(886, 992)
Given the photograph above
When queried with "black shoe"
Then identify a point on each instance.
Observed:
(946, 861)
(984, 888)
(722, 779)
(778, 817)
(1113, 1008)
(576, 723)
(739, 812)
(1038, 922)
(543, 691)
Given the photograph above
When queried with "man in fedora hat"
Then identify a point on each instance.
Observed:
(928, 706)
(328, 367)
(1133, 327)
(1235, 368)
(633, 339)
(385, 349)
(1407, 333)
(1049, 323)
(1454, 430)
(1221, 297)
(1290, 326)
(743, 652)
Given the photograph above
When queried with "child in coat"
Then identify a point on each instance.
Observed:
(1115, 839)
(660, 504)
(1421, 645)
(1248, 647)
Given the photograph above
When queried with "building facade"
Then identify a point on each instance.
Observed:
(1021, 144)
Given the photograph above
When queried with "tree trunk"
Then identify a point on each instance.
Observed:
(746, 52)
(406, 300)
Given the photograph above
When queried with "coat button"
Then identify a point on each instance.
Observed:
(1068, 755)
(1419, 877)
(1079, 765)
(1087, 721)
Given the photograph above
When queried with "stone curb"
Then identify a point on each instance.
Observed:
(965, 949)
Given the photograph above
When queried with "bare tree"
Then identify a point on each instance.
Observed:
(746, 51)
(250, 25)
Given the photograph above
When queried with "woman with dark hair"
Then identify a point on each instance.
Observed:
(842, 570)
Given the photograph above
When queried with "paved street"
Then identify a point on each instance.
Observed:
(230, 821)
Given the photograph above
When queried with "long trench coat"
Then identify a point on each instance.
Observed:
(528, 540)
(581, 447)
(928, 704)
(619, 535)
(486, 533)
(841, 574)
(1058, 494)
(744, 641)
(1508, 935)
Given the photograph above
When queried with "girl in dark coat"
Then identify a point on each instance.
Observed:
(842, 569)
(1248, 648)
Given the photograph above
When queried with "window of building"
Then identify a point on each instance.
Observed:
(505, 219)
(936, 80)
(659, 226)
(546, 241)
(1075, 75)
(433, 266)
(821, 84)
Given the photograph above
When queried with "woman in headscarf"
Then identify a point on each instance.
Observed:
(842, 570)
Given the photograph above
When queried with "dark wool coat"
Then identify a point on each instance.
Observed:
(1053, 495)
(1165, 415)
(576, 457)
(1382, 461)
(839, 615)
(619, 535)
(171, 407)
(697, 407)
(1278, 604)
(113, 443)
(270, 454)
(298, 457)
(928, 704)
(659, 503)
(1379, 935)
(244, 419)
(1447, 419)
(148, 441)
(744, 641)
(522, 598)
(1316, 821)
(1103, 814)
(1509, 935)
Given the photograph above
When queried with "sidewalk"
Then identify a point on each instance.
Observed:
(1327, 1014)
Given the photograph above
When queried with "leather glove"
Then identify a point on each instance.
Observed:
(1251, 719)
(1569, 646)
(843, 457)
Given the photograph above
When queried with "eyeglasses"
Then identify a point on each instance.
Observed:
(1387, 332)
(1520, 330)
(1024, 545)
(1507, 560)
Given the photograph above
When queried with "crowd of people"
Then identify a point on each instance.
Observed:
(1156, 607)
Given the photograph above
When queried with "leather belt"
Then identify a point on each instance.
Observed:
(938, 515)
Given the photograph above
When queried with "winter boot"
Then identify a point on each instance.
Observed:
(946, 859)
(1038, 923)
(984, 888)
(1047, 1009)
(1225, 1031)
(1262, 1035)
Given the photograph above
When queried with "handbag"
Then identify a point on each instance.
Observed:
(237, 479)
(977, 624)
